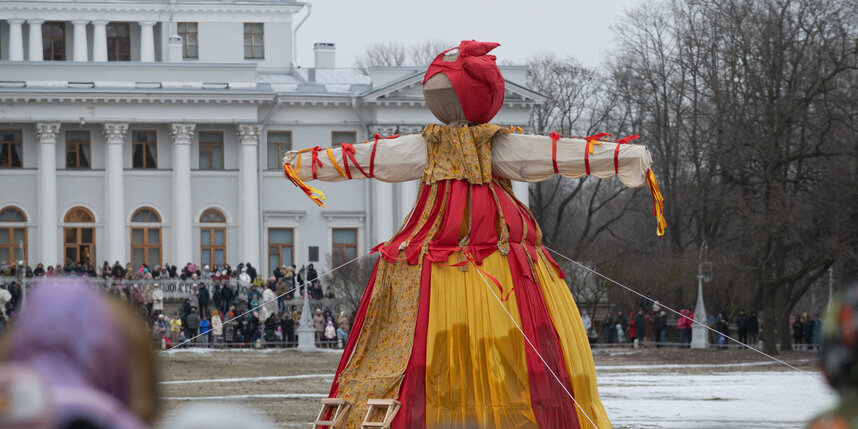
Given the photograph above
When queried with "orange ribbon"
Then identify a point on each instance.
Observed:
(657, 202)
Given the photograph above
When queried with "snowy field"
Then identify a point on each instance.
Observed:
(639, 388)
(713, 396)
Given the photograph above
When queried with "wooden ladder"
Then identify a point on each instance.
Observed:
(339, 409)
(392, 406)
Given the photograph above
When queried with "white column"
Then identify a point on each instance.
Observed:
(522, 192)
(49, 244)
(99, 41)
(16, 40)
(407, 195)
(36, 53)
(114, 163)
(147, 41)
(182, 216)
(80, 40)
(383, 206)
(248, 188)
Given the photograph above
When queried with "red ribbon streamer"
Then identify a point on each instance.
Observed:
(554, 137)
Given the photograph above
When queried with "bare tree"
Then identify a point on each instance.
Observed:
(382, 54)
(350, 281)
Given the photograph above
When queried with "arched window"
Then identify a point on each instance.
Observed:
(79, 240)
(145, 240)
(212, 215)
(79, 215)
(213, 238)
(12, 235)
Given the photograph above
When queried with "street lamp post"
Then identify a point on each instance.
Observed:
(699, 336)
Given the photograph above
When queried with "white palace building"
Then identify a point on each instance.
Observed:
(152, 131)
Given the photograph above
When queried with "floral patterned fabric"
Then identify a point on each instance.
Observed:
(379, 359)
(459, 153)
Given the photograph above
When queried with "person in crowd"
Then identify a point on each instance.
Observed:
(217, 328)
(244, 276)
(302, 276)
(269, 329)
(624, 323)
(650, 328)
(287, 326)
(205, 329)
(39, 271)
(660, 325)
(93, 360)
(640, 327)
(217, 299)
(343, 326)
(722, 325)
(251, 272)
(682, 327)
(204, 298)
(206, 273)
(753, 327)
(193, 324)
(163, 325)
(267, 305)
(797, 332)
(148, 301)
(632, 331)
(817, 333)
(194, 296)
(608, 328)
(319, 326)
(807, 334)
(330, 333)
(157, 298)
(621, 335)
(227, 293)
(175, 327)
(312, 275)
(588, 324)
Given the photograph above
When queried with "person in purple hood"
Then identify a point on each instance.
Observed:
(94, 357)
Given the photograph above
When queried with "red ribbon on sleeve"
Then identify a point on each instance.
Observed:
(624, 140)
(372, 156)
(315, 161)
(554, 137)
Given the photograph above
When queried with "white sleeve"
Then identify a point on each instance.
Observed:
(528, 158)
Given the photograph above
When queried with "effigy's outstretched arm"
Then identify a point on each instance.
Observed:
(393, 159)
(532, 158)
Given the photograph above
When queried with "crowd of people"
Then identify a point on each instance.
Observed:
(213, 313)
(649, 325)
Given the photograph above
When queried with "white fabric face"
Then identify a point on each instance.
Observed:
(521, 157)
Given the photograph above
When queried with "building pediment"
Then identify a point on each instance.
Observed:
(409, 91)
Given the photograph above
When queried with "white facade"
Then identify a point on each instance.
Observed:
(180, 104)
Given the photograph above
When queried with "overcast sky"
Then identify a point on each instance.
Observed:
(580, 28)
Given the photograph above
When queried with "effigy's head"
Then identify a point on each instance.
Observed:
(464, 85)
(840, 342)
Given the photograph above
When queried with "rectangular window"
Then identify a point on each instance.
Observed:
(10, 149)
(145, 246)
(254, 45)
(144, 149)
(213, 246)
(313, 252)
(211, 150)
(190, 39)
(54, 41)
(77, 149)
(340, 137)
(10, 241)
(279, 142)
(344, 245)
(280, 245)
(118, 41)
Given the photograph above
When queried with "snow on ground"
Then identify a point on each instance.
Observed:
(650, 398)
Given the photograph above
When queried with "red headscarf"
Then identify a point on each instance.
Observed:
(475, 77)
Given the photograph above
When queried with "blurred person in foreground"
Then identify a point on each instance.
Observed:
(93, 361)
(840, 361)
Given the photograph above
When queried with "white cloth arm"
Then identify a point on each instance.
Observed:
(399, 159)
(521, 157)
(527, 158)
